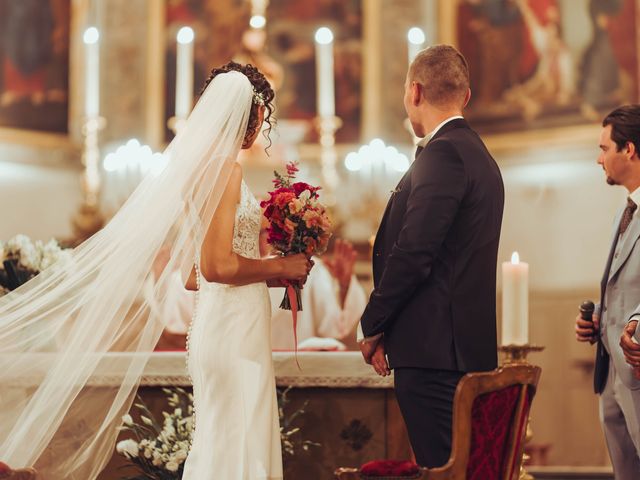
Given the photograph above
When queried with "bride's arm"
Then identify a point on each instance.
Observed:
(220, 264)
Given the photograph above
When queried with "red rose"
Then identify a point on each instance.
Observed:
(300, 187)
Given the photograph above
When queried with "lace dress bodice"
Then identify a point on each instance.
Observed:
(246, 229)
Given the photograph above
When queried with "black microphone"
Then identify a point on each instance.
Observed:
(586, 310)
(586, 313)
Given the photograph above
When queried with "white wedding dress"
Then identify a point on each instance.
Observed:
(237, 431)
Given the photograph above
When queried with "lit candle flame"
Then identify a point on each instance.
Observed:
(515, 258)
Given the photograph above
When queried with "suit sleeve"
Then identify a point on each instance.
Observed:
(438, 184)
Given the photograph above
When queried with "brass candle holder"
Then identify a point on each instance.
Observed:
(88, 220)
(517, 355)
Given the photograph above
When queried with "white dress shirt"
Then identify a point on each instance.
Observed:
(423, 141)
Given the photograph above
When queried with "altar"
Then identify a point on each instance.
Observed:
(334, 398)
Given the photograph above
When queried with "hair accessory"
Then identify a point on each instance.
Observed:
(258, 98)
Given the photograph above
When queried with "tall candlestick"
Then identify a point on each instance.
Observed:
(184, 73)
(415, 39)
(324, 72)
(515, 302)
(92, 72)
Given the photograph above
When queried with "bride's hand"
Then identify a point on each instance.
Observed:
(296, 267)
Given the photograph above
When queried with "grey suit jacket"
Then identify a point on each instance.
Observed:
(621, 285)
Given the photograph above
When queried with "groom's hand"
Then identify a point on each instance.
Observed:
(368, 348)
(379, 361)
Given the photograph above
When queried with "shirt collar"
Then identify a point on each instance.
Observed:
(423, 141)
(635, 196)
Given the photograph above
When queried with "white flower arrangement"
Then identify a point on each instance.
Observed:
(22, 259)
(159, 452)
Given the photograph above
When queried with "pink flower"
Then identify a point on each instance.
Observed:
(292, 169)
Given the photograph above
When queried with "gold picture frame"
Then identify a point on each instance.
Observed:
(66, 32)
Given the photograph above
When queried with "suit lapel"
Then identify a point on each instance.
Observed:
(628, 242)
(453, 124)
(385, 215)
(612, 251)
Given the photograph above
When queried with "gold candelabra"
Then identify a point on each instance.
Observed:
(88, 220)
(327, 127)
(517, 355)
(175, 124)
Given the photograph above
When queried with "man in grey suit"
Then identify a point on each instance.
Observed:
(615, 318)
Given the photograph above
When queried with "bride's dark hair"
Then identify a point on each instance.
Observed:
(261, 86)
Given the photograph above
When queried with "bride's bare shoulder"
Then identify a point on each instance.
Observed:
(236, 174)
(232, 192)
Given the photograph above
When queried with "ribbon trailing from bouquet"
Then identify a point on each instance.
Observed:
(292, 294)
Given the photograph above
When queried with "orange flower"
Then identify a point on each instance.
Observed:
(311, 218)
(289, 226)
(311, 246)
(283, 198)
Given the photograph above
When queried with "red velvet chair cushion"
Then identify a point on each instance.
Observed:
(522, 425)
(4, 468)
(390, 468)
(491, 419)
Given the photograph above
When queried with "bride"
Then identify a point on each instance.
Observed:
(64, 390)
(237, 432)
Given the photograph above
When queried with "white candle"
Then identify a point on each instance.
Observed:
(184, 72)
(515, 302)
(324, 73)
(415, 39)
(92, 72)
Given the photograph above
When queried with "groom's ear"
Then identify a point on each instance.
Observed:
(416, 93)
(467, 97)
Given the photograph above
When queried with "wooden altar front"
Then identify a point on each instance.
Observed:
(350, 411)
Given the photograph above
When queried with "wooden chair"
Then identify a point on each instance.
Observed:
(490, 414)
(6, 473)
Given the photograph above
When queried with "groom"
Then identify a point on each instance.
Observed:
(433, 310)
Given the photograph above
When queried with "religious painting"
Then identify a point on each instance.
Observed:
(547, 63)
(218, 26)
(290, 43)
(34, 64)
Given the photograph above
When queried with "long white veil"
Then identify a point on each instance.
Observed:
(60, 329)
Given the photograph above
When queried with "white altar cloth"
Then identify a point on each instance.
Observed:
(317, 369)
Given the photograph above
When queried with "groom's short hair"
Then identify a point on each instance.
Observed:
(443, 73)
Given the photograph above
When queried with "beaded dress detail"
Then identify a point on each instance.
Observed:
(237, 431)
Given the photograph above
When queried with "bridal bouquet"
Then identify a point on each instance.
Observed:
(22, 259)
(298, 223)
